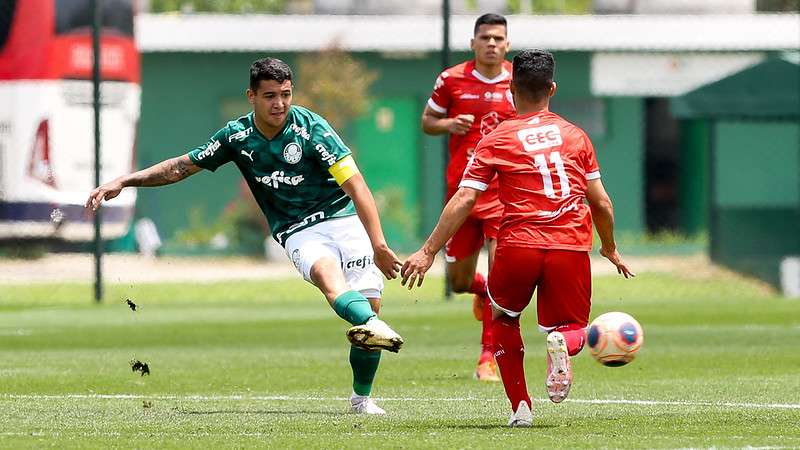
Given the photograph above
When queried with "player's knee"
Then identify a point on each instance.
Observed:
(460, 285)
(327, 277)
(503, 319)
(497, 313)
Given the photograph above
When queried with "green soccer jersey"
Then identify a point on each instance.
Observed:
(287, 174)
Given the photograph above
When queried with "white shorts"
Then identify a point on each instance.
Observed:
(345, 240)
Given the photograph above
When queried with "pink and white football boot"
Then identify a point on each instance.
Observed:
(559, 368)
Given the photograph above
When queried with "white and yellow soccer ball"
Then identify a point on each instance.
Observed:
(614, 338)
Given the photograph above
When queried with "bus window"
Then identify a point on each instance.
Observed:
(7, 8)
(76, 15)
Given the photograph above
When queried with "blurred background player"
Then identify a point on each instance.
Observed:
(469, 100)
(308, 186)
(547, 167)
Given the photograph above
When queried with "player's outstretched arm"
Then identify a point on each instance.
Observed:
(166, 172)
(603, 218)
(453, 215)
(385, 259)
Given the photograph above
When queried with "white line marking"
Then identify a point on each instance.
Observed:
(171, 433)
(388, 399)
(684, 403)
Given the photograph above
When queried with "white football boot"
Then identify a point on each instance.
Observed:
(522, 417)
(375, 335)
(365, 405)
(559, 368)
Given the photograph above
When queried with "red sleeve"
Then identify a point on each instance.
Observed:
(591, 168)
(480, 167)
(440, 98)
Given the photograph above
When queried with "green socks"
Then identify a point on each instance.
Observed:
(364, 364)
(354, 308)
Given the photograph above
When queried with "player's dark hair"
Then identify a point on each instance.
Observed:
(533, 73)
(489, 19)
(269, 69)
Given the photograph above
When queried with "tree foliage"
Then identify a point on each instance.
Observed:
(550, 6)
(778, 5)
(218, 6)
(333, 84)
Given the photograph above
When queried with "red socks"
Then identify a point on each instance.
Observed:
(509, 352)
(478, 285)
(575, 335)
(478, 288)
(486, 333)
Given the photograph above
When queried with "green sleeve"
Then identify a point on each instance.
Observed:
(214, 153)
(327, 145)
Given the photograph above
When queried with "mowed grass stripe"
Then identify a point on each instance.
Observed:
(240, 365)
(288, 398)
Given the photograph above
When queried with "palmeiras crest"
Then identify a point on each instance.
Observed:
(292, 153)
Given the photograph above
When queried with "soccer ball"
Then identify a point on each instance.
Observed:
(614, 338)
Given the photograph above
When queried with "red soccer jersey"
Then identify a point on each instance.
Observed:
(543, 164)
(462, 89)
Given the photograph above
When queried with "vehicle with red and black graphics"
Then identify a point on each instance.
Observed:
(47, 116)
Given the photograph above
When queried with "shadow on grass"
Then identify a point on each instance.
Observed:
(261, 412)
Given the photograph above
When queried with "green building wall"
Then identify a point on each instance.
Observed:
(188, 96)
(756, 194)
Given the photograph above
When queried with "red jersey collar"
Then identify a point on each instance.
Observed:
(504, 74)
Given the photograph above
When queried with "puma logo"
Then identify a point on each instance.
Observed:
(250, 155)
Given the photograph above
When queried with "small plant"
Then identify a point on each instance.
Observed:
(198, 232)
(241, 227)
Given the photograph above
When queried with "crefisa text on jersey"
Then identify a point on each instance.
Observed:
(209, 150)
(301, 131)
(279, 177)
(325, 155)
(358, 262)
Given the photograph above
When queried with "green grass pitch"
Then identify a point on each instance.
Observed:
(251, 364)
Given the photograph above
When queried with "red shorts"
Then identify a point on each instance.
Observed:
(563, 277)
(481, 224)
(470, 237)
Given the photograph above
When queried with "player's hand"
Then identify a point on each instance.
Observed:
(386, 261)
(415, 267)
(461, 123)
(616, 259)
(104, 192)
